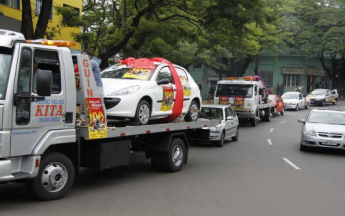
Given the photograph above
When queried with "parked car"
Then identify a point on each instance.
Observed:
(294, 100)
(278, 104)
(334, 92)
(321, 97)
(228, 126)
(324, 129)
(145, 90)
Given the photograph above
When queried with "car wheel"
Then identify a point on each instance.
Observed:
(143, 113)
(220, 143)
(297, 107)
(192, 114)
(282, 112)
(54, 179)
(323, 103)
(235, 138)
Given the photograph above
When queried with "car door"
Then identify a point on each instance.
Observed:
(232, 123)
(164, 94)
(301, 100)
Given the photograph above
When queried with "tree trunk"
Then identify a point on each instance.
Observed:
(43, 19)
(27, 26)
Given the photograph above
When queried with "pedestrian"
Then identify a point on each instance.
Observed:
(282, 89)
(278, 89)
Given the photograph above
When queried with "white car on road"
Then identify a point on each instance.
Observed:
(295, 100)
(147, 91)
(228, 126)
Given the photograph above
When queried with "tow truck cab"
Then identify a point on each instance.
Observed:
(34, 81)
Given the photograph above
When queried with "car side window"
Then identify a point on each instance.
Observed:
(165, 73)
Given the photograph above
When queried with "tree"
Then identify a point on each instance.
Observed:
(27, 24)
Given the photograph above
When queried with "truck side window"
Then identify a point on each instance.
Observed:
(47, 60)
(23, 86)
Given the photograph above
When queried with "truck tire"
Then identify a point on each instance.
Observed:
(143, 113)
(174, 160)
(220, 143)
(54, 179)
(192, 114)
(235, 138)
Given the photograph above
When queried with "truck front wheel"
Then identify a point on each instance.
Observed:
(55, 177)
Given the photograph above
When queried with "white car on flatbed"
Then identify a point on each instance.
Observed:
(228, 127)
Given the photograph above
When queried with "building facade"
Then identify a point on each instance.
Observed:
(287, 71)
(11, 16)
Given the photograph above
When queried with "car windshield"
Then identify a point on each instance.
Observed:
(327, 118)
(318, 92)
(232, 90)
(5, 63)
(128, 73)
(272, 97)
(211, 113)
(290, 96)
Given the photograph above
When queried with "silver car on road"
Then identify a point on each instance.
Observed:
(228, 126)
(324, 129)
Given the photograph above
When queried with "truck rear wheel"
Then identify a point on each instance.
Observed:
(174, 160)
(55, 177)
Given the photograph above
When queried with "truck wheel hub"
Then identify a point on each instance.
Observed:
(177, 156)
(54, 177)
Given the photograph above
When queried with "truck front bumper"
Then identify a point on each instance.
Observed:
(16, 168)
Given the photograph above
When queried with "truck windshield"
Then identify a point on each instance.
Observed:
(5, 62)
(233, 90)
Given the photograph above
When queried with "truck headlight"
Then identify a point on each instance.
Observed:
(126, 91)
(248, 105)
(309, 132)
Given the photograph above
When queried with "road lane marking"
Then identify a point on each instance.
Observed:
(269, 142)
(271, 130)
(291, 164)
(282, 122)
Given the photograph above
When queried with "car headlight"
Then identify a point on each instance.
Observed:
(215, 129)
(126, 91)
(309, 132)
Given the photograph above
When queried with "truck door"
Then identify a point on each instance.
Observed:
(33, 116)
(164, 94)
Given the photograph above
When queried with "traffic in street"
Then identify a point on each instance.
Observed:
(263, 173)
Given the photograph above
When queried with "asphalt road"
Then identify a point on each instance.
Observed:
(262, 174)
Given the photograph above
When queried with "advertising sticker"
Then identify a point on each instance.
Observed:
(96, 118)
(239, 103)
(138, 73)
(168, 98)
(224, 100)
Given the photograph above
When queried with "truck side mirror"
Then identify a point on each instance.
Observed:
(44, 82)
